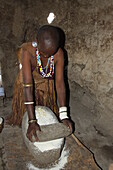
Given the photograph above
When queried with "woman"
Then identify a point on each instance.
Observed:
(42, 64)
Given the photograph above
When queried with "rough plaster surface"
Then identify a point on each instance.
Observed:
(89, 40)
(88, 28)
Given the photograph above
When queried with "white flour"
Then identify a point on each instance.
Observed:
(49, 145)
(45, 117)
(58, 166)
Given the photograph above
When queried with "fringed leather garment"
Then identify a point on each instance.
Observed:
(44, 94)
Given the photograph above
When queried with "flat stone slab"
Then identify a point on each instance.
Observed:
(18, 156)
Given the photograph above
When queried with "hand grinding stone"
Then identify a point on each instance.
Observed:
(52, 132)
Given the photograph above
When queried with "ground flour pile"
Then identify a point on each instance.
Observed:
(58, 166)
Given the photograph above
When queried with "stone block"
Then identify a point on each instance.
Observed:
(47, 152)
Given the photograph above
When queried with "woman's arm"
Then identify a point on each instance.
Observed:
(59, 78)
(28, 93)
(61, 90)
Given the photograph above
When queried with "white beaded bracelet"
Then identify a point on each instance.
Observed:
(32, 121)
(63, 113)
(62, 109)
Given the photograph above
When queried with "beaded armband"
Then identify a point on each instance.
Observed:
(63, 113)
(28, 103)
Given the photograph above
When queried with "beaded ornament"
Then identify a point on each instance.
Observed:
(41, 69)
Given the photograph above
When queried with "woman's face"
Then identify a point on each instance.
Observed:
(47, 52)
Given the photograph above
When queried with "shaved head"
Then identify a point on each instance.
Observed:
(48, 39)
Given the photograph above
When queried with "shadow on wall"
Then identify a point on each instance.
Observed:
(30, 31)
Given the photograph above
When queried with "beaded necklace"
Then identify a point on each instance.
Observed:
(41, 69)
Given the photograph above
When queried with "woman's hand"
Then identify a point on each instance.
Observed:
(31, 131)
(68, 123)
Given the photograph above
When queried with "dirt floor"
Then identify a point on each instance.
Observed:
(16, 155)
(95, 137)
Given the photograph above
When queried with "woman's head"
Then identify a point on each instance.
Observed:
(48, 40)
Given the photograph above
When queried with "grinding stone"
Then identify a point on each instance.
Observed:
(48, 152)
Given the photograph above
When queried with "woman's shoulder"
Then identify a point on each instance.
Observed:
(25, 46)
(28, 47)
(59, 55)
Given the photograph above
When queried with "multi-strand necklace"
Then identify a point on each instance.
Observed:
(41, 69)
